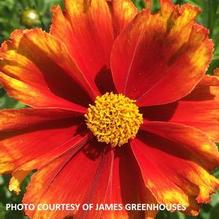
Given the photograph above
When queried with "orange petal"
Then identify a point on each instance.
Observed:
(199, 109)
(88, 32)
(164, 190)
(74, 144)
(23, 134)
(174, 165)
(123, 11)
(82, 178)
(156, 50)
(193, 144)
(126, 186)
(15, 181)
(33, 62)
(96, 179)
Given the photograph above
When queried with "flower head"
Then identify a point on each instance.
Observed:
(114, 119)
(120, 109)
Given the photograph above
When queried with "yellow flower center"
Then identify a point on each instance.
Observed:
(114, 119)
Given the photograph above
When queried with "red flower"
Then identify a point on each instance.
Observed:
(149, 135)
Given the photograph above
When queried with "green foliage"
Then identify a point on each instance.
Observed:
(139, 4)
(12, 198)
(11, 12)
(7, 102)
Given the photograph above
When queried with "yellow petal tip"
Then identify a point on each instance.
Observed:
(14, 185)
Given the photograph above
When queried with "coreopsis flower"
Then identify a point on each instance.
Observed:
(120, 109)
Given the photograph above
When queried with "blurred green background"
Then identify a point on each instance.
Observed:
(30, 13)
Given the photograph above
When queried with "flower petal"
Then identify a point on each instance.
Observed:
(96, 179)
(126, 186)
(192, 143)
(178, 162)
(164, 190)
(74, 144)
(23, 134)
(83, 176)
(199, 109)
(34, 64)
(87, 29)
(158, 49)
(123, 11)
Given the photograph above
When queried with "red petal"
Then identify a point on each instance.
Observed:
(123, 11)
(193, 144)
(80, 178)
(156, 53)
(164, 190)
(23, 134)
(172, 159)
(199, 109)
(89, 176)
(126, 186)
(87, 29)
(35, 65)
